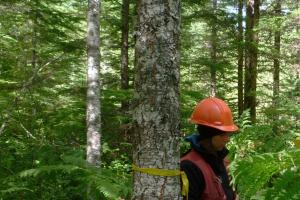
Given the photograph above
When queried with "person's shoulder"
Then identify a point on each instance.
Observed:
(187, 165)
(184, 154)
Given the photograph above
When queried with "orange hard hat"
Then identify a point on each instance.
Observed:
(215, 113)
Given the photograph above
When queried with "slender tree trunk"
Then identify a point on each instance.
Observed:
(298, 51)
(297, 61)
(124, 50)
(93, 112)
(156, 109)
(135, 29)
(34, 42)
(213, 71)
(276, 72)
(240, 58)
(252, 18)
(34, 49)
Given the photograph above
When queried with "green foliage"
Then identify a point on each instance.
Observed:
(286, 186)
(265, 164)
(66, 181)
(42, 99)
(275, 176)
(63, 175)
(189, 99)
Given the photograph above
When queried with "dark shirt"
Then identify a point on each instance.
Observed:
(195, 176)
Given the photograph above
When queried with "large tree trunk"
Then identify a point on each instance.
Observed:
(156, 105)
(276, 69)
(252, 18)
(93, 112)
(240, 58)
(213, 52)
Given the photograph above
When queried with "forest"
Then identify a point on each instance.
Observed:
(92, 89)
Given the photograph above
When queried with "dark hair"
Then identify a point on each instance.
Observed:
(207, 132)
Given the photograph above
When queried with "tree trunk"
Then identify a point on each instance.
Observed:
(298, 51)
(93, 112)
(124, 50)
(213, 71)
(252, 18)
(156, 99)
(34, 41)
(276, 69)
(240, 58)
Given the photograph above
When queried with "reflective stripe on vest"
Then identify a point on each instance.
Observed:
(213, 185)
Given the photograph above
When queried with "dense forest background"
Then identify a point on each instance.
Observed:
(43, 94)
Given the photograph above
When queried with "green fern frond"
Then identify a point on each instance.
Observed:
(286, 186)
(244, 120)
(48, 169)
(14, 190)
(109, 184)
(274, 175)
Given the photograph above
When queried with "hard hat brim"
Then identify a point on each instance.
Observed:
(230, 128)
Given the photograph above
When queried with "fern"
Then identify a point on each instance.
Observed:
(256, 171)
(14, 190)
(268, 176)
(286, 186)
(110, 185)
(48, 169)
(244, 120)
(106, 183)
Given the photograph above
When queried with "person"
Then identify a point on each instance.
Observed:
(205, 163)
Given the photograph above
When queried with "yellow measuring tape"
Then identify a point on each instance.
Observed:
(167, 172)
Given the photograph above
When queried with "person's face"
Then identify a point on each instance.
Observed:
(220, 141)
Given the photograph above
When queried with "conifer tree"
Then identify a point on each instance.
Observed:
(213, 52)
(124, 49)
(156, 103)
(276, 66)
(124, 45)
(240, 58)
(251, 37)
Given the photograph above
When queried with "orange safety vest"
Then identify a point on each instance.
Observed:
(213, 186)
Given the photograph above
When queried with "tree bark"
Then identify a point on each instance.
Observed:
(93, 112)
(240, 58)
(276, 72)
(252, 19)
(156, 99)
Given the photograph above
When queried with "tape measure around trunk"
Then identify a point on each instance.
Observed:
(167, 172)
